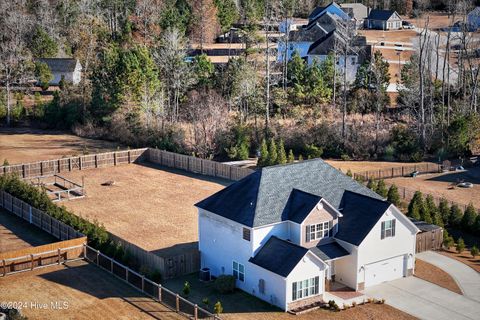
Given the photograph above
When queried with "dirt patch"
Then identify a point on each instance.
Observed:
(16, 233)
(436, 20)
(150, 206)
(19, 145)
(440, 185)
(388, 35)
(435, 275)
(361, 166)
(87, 291)
(464, 257)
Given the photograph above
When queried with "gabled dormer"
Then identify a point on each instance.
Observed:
(313, 219)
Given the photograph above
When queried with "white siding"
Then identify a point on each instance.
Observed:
(352, 65)
(274, 285)
(307, 268)
(261, 235)
(346, 267)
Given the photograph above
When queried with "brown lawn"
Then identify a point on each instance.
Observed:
(433, 274)
(464, 257)
(436, 20)
(28, 145)
(389, 36)
(440, 186)
(87, 291)
(148, 206)
(16, 233)
(361, 166)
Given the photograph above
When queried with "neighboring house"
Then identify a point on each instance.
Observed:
(67, 68)
(287, 232)
(332, 8)
(384, 20)
(473, 19)
(357, 11)
(357, 54)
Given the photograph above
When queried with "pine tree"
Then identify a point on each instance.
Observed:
(393, 196)
(263, 159)
(349, 173)
(414, 206)
(444, 210)
(455, 216)
(468, 219)
(477, 225)
(300, 158)
(282, 156)
(291, 157)
(382, 188)
(372, 185)
(430, 210)
(460, 245)
(272, 153)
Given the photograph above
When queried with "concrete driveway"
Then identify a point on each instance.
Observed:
(467, 279)
(425, 300)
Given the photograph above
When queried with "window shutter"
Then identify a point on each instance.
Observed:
(294, 291)
(393, 227)
(307, 233)
(316, 285)
(382, 236)
(330, 228)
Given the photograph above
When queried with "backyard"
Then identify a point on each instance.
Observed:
(83, 291)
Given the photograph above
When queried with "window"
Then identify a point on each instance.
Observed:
(388, 229)
(261, 286)
(239, 271)
(305, 288)
(246, 234)
(318, 231)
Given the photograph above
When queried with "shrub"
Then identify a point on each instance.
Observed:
(272, 153)
(5, 162)
(460, 245)
(393, 196)
(332, 305)
(225, 283)
(312, 151)
(455, 216)
(448, 242)
(240, 144)
(263, 158)
(349, 173)
(474, 251)
(206, 301)
(382, 188)
(415, 205)
(444, 209)
(282, 156)
(218, 308)
(468, 219)
(291, 157)
(372, 185)
(186, 288)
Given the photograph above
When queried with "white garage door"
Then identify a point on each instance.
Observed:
(385, 270)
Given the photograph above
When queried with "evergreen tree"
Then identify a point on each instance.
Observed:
(227, 13)
(431, 215)
(415, 205)
(372, 185)
(349, 173)
(477, 225)
(425, 213)
(460, 245)
(468, 219)
(455, 216)
(43, 74)
(444, 210)
(291, 157)
(474, 252)
(272, 153)
(393, 195)
(263, 159)
(300, 158)
(382, 188)
(42, 45)
(282, 155)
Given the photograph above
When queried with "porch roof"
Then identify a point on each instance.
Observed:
(329, 251)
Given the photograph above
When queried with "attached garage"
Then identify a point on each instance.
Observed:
(385, 270)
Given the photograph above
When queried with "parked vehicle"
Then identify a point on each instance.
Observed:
(407, 25)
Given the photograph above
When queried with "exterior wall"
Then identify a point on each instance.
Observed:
(274, 290)
(346, 267)
(301, 47)
(351, 68)
(374, 249)
(261, 235)
(321, 213)
(307, 268)
(71, 77)
(221, 242)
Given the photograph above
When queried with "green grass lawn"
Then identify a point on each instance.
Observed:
(236, 302)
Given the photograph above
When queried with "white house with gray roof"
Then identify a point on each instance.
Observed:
(288, 232)
(64, 68)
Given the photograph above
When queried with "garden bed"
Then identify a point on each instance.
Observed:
(435, 275)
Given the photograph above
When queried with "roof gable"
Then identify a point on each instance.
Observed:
(360, 214)
(60, 64)
(299, 206)
(332, 8)
(383, 15)
(329, 251)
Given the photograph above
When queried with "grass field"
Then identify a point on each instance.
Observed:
(16, 233)
(149, 206)
(87, 291)
(361, 166)
(19, 145)
(439, 185)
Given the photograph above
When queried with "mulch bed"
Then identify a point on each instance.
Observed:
(435, 275)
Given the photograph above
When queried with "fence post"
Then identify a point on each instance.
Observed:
(126, 274)
(59, 256)
(143, 283)
(23, 171)
(160, 292)
(402, 172)
(195, 312)
(30, 213)
(114, 159)
(111, 265)
(41, 168)
(392, 172)
(128, 156)
(69, 164)
(177, 303)
(84, 251)
(4, 268)
(80, 163)
(58, 166)
(98, 254)
(31, 261)
(96, 162)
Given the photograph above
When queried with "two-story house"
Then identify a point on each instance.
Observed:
(286, 232)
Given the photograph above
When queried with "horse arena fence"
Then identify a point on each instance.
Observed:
(58, 188)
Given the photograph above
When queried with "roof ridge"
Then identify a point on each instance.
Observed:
(365, 196)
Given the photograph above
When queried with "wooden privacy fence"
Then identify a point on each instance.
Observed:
(51, 167)
(41, 256)
(429, 240)
(197, 165)
(396, 172)
(152, 289)
(169, 265)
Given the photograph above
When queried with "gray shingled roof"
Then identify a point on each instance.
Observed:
(279, 256)
(423, 226)
(260, 198)
(329, 251)
(60, 64)
(378, 14)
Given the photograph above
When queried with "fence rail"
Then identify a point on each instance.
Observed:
(396, 172)
(152, 289)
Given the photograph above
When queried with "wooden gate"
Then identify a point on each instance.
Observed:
(429, 240)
